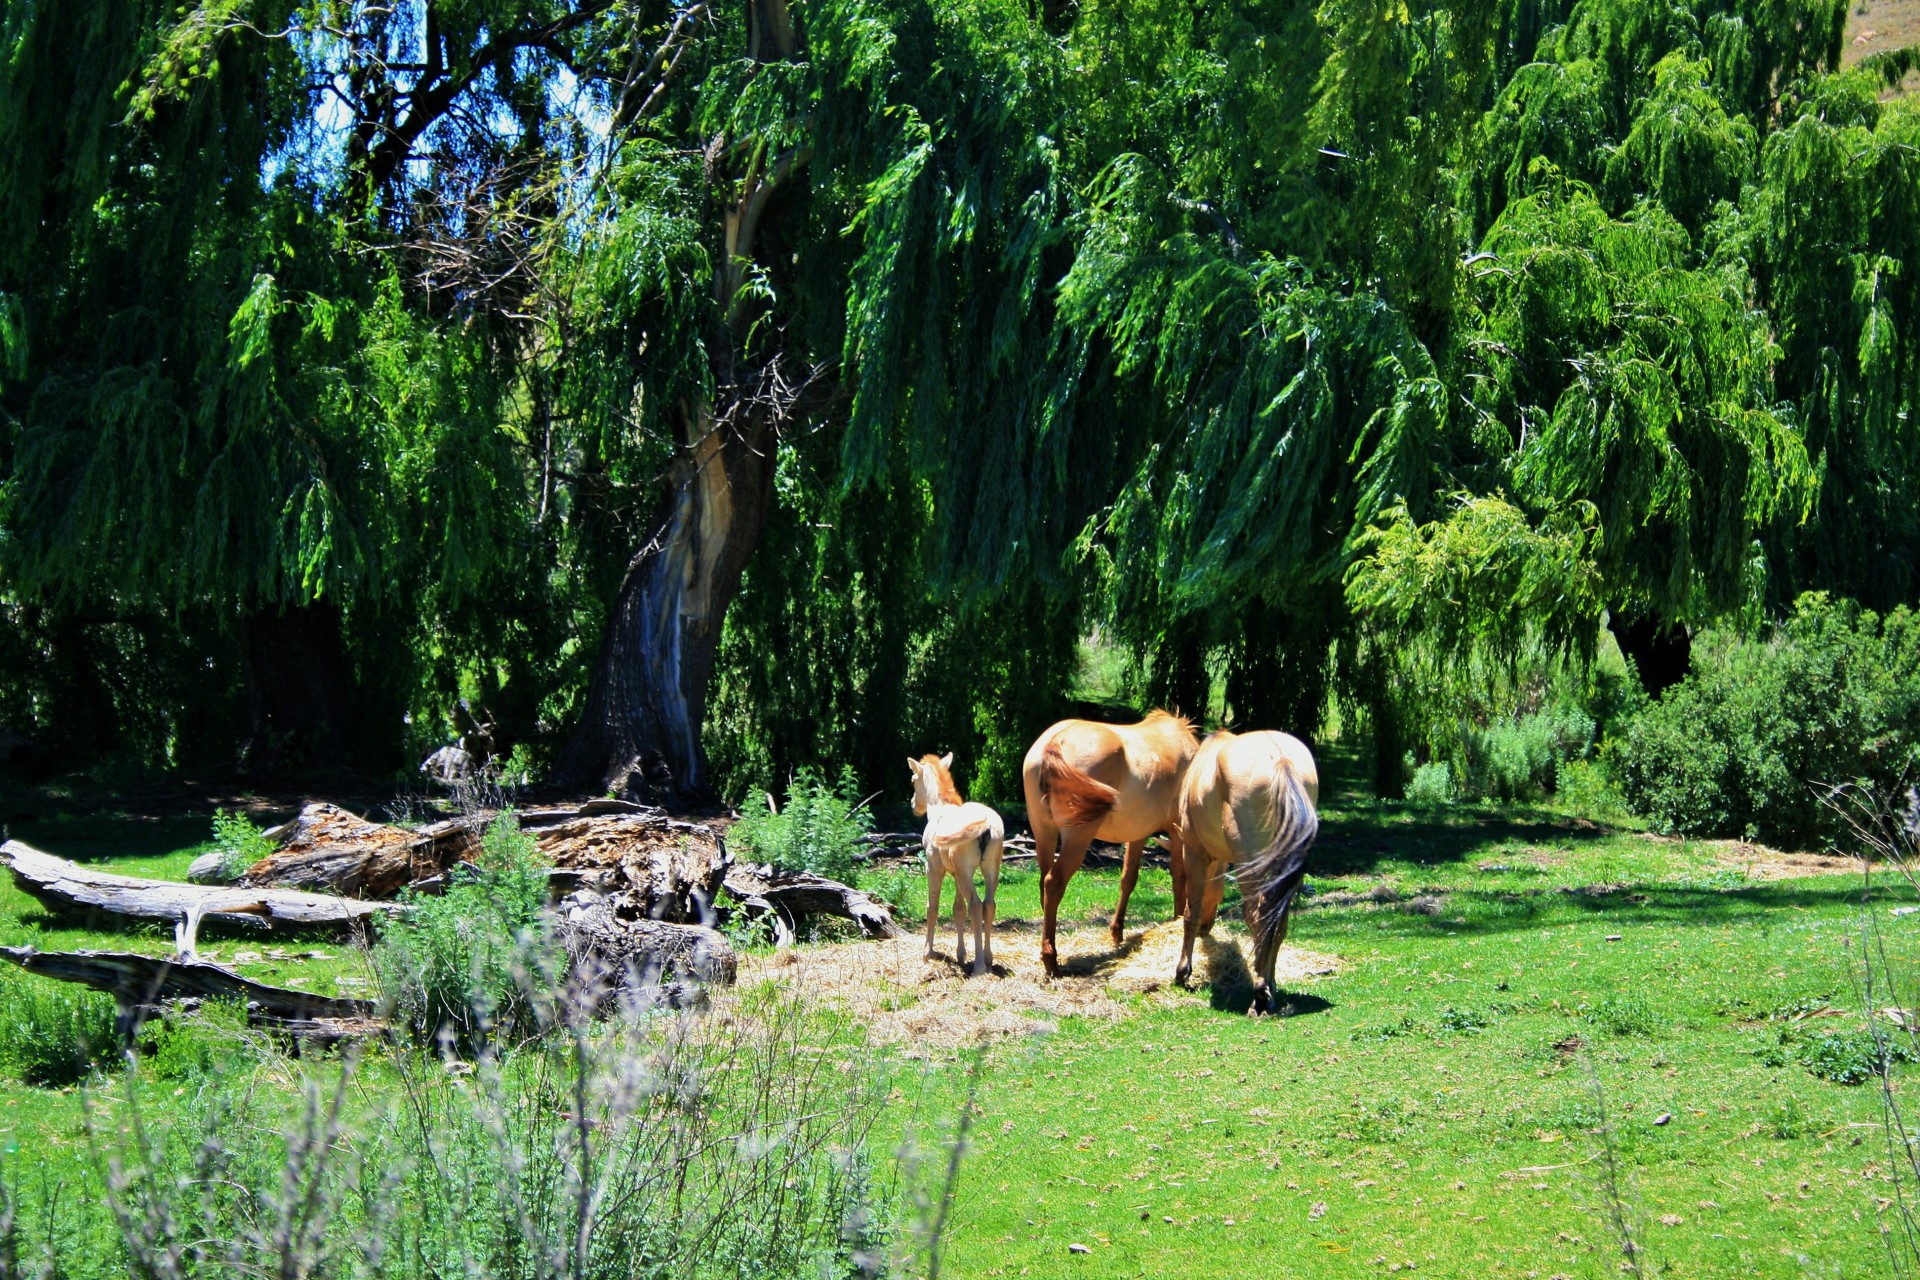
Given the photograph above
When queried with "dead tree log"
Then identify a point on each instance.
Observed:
(791, 896)
(140, 985)
(329, 850)
(69, 889)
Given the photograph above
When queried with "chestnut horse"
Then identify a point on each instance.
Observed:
(1118, 782)
(1248, 803)
(960, 838)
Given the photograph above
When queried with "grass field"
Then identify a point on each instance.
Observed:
(1545, 1036)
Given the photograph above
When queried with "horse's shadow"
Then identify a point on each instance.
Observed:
(1099, 964)
(1230, 983)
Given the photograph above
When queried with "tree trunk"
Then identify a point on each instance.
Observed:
(640, 733)
(1661, 652)
(300, 694)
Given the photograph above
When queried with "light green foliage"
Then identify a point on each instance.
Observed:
(1431, 784)
(1521, 758)
(210, 1040)
(238, 841)
(1742, 746)
(469, 963)
(817, 830)
(53, 1033)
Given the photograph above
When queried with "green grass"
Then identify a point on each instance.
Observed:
(1440, 1097)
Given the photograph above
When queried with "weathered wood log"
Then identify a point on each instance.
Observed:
(140, 985)
(326, 849)
(791, 896)
(670, 870)
(69, 889)
(613, 950)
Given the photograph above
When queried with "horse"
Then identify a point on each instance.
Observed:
(1248, 802)
(1119, 782)
(961, 838)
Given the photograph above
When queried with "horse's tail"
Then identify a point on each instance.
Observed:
(1276, 873)
(1075, 797)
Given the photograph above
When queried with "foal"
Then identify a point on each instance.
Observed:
(961, 838)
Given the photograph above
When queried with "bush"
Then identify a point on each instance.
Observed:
(239, 843)
(1833, 695)
(464, 964)
(193, 1045)
(1520, 758)
(1851, 1057)
(53, 1033)
(1432, 784)
(818, 830)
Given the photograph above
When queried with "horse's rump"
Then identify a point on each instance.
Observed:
(1074, 797)
(978, 828)
(1276, 873)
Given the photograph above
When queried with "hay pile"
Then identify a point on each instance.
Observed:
(902, 997)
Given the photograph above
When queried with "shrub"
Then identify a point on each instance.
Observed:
(1623, 1015)
(1432, 784)
(1520, 758)
(1833, 695)
(239, 843)
(818, 830)
(53, 1033)
(463, 964)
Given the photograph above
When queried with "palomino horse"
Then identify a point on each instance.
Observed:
(961, 838)
(1118, 782)
(1248, 803)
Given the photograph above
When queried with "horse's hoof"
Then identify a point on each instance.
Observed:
(1117, 935)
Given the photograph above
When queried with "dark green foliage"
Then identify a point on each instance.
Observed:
(1742, 747)
(466, 965)
(1843, 1057)
(818, 828)
(189, 1046)
(53, 1033)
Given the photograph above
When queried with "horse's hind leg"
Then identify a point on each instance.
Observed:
(1208, 894)
(1129, 876)
(1269, 937)
(936, 871)
(990, 869)
(1053, 886)
(962, 912)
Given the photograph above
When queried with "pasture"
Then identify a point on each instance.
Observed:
(1517, 1039)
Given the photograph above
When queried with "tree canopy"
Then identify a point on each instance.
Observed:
(799, 381)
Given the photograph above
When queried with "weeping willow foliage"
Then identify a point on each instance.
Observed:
(1281, 340)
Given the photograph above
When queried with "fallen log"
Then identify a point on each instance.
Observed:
(69, 889)
(326, 849)
(790, 896)
(140, 985)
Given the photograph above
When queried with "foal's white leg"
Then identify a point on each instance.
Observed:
(935, 873)
(962, 887)
(990, 866)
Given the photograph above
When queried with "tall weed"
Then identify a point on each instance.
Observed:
(458, 966)
(818, 829)
(53, 1033)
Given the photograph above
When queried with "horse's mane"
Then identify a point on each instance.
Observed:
(1184, 725)
(949, 794)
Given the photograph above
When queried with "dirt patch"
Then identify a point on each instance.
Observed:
(1759, 863)
(902, 997)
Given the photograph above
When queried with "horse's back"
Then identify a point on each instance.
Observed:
(1230, 804)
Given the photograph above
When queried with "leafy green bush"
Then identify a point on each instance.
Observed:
(1623, 1015)
(1833, 695)
(1850, 1057)
(239, 843)
(53, 1033)
(463, 964)
(1520, 757)
(818, 829)
(1432, 784)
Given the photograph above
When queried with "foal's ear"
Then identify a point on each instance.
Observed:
(946, 761)
(913, 766)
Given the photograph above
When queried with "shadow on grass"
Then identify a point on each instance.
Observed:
(1469, 912)
(1356, 842)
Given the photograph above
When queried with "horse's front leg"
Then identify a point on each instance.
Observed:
(1053, 887)
(1129, 876)
(1177, 868)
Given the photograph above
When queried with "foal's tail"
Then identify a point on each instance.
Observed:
(1276, 873)
(1075, 797)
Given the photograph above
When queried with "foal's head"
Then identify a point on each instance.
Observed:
(932, 781)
